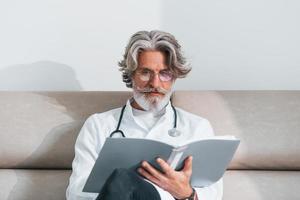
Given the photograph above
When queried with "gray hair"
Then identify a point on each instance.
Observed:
(153, 40)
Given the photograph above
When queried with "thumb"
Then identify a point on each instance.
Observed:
(188, 163)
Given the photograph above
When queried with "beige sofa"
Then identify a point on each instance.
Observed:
(38, 131)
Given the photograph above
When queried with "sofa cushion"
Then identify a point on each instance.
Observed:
(261, 185)
(33, 184)
(238, 184)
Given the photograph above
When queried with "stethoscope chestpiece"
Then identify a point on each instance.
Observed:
(174, 132)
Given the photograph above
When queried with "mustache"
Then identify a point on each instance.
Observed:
(149, 89)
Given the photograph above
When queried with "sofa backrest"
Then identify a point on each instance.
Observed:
(38, 132)
(39, 129)
(267, 122)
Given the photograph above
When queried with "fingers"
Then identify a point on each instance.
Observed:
(188, 163)
(151, 170)
(166, 168)
(148, 176)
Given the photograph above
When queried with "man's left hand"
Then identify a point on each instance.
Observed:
(177, 183)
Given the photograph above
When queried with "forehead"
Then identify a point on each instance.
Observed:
(152, 59)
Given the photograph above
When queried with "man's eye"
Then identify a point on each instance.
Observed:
(145, 72)
(166, 73)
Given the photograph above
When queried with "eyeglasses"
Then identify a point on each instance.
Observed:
(145, 74)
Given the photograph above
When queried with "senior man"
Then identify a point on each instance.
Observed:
(152, 63)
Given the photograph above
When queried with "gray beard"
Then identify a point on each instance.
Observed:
(153, 104)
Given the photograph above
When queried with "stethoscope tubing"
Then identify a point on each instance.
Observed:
(121, 117)
(119, 124)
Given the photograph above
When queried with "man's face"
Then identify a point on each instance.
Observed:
(152, 80)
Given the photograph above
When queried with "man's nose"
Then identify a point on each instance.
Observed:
(155, 81)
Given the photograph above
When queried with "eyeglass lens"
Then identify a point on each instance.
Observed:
(146, 75)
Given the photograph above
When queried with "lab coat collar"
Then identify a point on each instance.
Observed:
(166, 117)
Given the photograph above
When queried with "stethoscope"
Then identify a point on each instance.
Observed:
(173, 132)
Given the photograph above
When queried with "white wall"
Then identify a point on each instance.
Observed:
(75, 45)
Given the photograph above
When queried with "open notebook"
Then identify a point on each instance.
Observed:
(211, 156)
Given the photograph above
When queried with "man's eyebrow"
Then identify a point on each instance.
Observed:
(145, 68)
(165, 70)
(148, 68)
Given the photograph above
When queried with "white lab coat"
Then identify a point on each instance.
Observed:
(99, 126)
